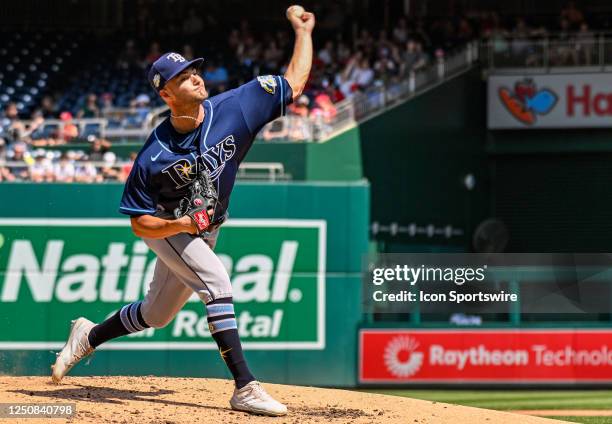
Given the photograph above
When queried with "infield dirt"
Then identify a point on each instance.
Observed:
(199, 400)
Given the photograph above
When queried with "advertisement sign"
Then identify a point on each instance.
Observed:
(485, 356)
(550, 101)
(54, 270)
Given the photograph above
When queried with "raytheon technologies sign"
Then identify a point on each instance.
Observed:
(550, 101)
(485, 356)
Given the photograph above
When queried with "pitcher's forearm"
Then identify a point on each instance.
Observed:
(148, 226)
(301, 63)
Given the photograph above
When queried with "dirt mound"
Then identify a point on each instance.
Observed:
(200, 400)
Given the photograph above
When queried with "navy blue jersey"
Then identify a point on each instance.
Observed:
(168, 161)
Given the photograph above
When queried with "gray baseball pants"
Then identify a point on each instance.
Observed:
(185, 264)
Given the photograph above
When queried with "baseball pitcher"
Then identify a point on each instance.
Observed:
(177, 197)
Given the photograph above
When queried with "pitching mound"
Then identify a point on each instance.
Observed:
(199, 400)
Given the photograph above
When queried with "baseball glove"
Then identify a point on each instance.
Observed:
(200, 202)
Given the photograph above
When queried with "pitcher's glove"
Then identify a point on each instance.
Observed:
(200, 203)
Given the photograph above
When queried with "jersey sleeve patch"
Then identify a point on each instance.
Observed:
(268, 83)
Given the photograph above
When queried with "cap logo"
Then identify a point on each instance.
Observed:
(175, 57)
(156, 80)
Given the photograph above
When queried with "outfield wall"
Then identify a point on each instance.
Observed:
(293, 251)
(417, 156)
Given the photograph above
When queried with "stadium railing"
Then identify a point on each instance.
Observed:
(53, 128)
(581, 51)
(375, 99)
(268, 171)
(255, 171)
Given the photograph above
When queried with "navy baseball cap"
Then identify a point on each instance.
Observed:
(167, 67)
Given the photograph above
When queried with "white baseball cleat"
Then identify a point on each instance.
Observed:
(77, 347)
(254, 399)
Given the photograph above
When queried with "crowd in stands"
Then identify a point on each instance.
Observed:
(349, 59)
(23, 163)
(571, 41)
(114, 77)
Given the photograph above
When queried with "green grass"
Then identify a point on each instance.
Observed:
(504, 400)
(584, 420)
(513, 399)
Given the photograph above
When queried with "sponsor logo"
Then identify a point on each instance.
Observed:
(224, 352)
(154, 158)
(268, 83)
(201, 219)
(401, 356)
(590, 101)
(526, 102)
(65, 275)
(485, 355)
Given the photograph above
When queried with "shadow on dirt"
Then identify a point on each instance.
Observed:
(96, 394)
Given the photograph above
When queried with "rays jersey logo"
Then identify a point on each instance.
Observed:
(268, 83)
(183, 171)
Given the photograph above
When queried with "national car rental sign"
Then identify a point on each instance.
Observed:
(550, 101)
(485, 356)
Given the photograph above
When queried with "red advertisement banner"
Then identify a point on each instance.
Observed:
(481, 356)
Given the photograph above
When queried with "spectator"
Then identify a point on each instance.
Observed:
(107, 103)
(400, 32)
(86, 172)
(64, 171)
(90, 109)
(98, 148)
(385, 67)
(48, 108)
(565, 53)
(41, 170)
(585, 44)
(69, 131)
(498, 37)
(347, 79)
(6, 175)
(364, 74)
(12, 128)
(22, 161)
(299, 126)
(300, 106)
(520, 35)
(109, 171)
(326, 54)
(324, 109)
(332, 91)
(37, 137)
(139, 111)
